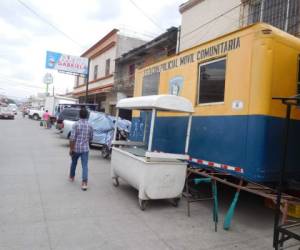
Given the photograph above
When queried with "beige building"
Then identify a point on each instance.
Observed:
(204, 20)
(200, 21)
(102, 57)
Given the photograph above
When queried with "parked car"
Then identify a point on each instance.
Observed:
(70, 114)
(13, 107)
(70, 117)
(103, 130)
(6, 113)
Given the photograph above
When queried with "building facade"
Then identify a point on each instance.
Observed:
(204, 20)
(283, 14)
(157, 49)
(102, 57)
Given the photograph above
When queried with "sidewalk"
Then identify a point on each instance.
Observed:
(41, 209)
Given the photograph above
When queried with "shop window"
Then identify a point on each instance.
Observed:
(212, 81)
(107, 67)
(95, 72)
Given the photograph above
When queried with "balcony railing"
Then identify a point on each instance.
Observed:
(283, 14)
(123, 84)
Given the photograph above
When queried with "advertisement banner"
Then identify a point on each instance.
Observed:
(66, 63)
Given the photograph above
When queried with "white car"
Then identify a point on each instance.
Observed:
(13, 107)
(68, 124)
(67, 128)
(6, 113)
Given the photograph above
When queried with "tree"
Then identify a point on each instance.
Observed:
(10, 101)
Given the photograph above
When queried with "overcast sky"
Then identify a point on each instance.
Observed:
(25, 38)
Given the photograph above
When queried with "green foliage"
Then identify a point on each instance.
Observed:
(10, 101)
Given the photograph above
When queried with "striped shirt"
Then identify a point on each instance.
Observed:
(82, 135)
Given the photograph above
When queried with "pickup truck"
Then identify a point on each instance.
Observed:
(36, 114)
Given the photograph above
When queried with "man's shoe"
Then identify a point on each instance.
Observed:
(71, 179)
(84, 186)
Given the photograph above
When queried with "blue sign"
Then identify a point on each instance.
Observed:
(66, 63)
(52, 59)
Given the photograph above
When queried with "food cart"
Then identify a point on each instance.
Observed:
(156, 175)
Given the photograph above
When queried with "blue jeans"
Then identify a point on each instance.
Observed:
(84, 162)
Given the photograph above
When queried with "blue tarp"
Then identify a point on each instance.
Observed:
(103, 127)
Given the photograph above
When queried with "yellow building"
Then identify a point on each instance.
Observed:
(231, 81)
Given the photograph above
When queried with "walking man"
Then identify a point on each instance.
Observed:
(81, 136)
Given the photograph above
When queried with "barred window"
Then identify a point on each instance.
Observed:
(283, 14)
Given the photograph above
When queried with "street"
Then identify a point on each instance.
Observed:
(41, 209)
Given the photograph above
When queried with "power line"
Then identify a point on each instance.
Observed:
(145, 32)
(14, 97)
(212, 20)
(238, 19)
(21, 87)
(16, 82)
(146, 15)
(49, 23)
(131, 31)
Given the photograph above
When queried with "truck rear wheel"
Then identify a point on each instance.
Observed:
(35, 117)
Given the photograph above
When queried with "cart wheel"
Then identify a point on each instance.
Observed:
(175, 202)
(142, 204)
(116, 182)
(105, 152)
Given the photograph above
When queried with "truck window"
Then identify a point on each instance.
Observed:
(212, 81)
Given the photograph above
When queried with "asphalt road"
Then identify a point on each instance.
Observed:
(41, 209)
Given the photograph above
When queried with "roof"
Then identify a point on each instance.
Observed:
(188, 5)
(102, 40)
(159, 102)
(254, 28)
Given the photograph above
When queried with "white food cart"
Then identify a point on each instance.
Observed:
(156, 175)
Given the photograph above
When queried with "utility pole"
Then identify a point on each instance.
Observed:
(47, 88)
(87, 82)
(48, 79)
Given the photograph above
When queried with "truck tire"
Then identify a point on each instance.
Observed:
(36, 117)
